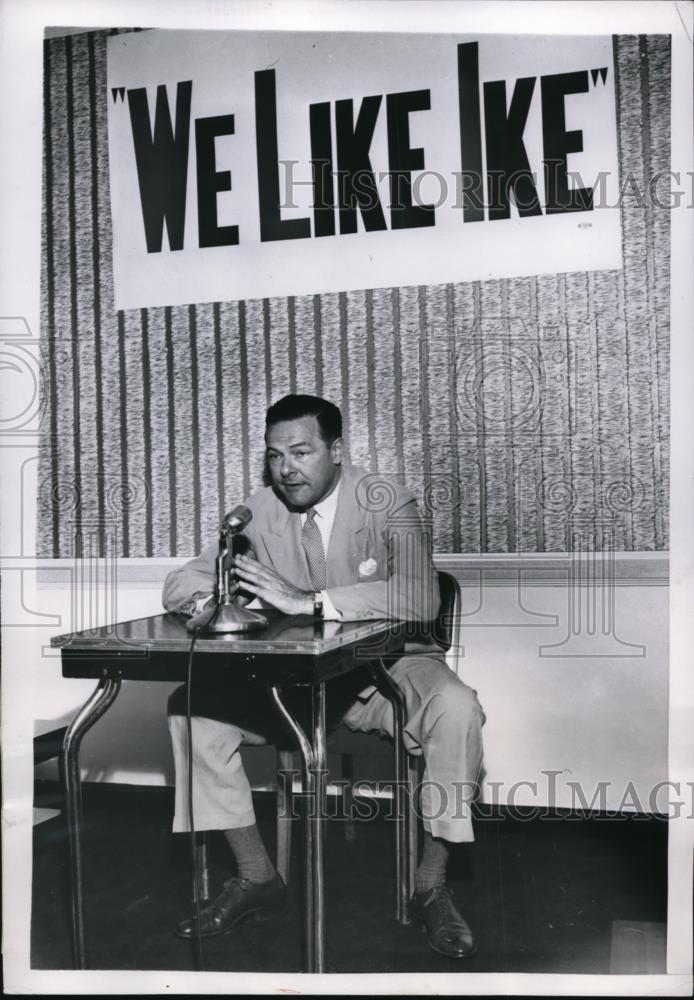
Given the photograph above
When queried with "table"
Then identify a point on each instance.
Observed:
(291, 651)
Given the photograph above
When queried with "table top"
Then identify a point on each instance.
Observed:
(284, 634)
(298, 648)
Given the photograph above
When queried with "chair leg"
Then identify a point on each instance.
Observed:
(413, 766)
(347, 796)
(285, 768)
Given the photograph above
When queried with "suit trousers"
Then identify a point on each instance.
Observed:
(444, 723)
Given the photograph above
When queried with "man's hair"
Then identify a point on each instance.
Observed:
(294, 407)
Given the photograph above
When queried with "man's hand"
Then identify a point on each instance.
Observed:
(273, 588)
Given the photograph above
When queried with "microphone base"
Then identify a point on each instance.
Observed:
(235, 618)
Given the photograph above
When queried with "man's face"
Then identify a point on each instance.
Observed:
(303, 468)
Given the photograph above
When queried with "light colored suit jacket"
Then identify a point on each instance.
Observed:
(378, 560)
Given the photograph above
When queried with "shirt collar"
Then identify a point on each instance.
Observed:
(326, 508)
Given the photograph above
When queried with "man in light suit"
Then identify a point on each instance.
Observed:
(326, 533)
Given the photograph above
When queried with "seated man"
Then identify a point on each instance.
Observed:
(318, 530)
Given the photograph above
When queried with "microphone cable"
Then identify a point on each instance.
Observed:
(191, 819)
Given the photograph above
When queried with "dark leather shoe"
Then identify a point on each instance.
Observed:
(434, 911)
(238, 899)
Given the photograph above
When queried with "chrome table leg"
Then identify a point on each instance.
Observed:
(404, 877)
(92, 710)
(316, 819)
(313, 755)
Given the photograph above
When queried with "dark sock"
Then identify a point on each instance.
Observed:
(251, 857)
(432, 867)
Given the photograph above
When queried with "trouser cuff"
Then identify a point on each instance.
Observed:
(214, 821)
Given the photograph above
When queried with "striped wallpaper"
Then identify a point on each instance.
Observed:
(529, 415)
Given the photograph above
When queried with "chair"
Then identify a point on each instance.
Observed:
(445, 631)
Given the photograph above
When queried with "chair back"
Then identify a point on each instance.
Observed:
(447, 630)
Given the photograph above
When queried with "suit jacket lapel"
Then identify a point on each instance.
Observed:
(282, 540)
(345, 542)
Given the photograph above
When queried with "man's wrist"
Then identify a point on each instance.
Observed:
(307, 602)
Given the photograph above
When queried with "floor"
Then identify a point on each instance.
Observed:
(551, 894)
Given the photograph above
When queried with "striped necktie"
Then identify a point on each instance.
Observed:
(313, 547)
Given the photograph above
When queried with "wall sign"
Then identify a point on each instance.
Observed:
(254, 164)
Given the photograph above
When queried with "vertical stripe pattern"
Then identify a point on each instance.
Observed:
(515, 410)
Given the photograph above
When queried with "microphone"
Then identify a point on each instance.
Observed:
(226, 615)
(236, 520)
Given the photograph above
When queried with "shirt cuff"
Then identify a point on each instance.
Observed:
(330, 612)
